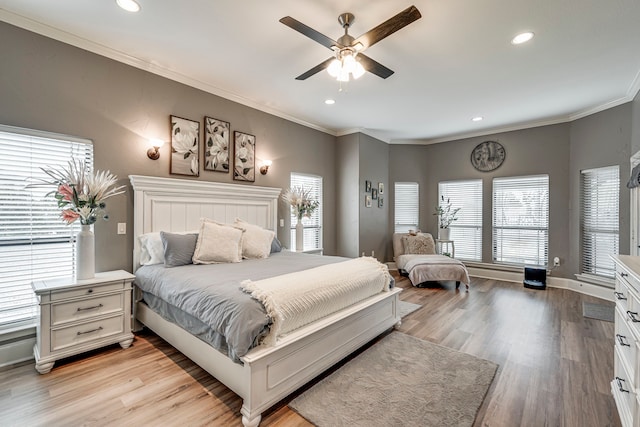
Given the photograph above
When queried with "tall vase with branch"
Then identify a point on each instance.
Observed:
(302, 206)
(81, 196)
(446, 216)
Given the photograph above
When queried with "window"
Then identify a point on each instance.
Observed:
(407, 204)
(599, 220)
(521, 220)
(313, 225)
(466, 231)
(34, 242)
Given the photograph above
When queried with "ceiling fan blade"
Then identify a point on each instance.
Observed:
(374, 67)
(309, 32)
(388, 27)
(315, 69)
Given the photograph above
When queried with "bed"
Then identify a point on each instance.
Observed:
(266, 373)
(416, 257)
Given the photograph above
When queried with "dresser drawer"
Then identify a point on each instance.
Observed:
(78, 334)
(621, 295)
(86, 308)
(632, 314)
(623, 394)
(87, 291)
(623, 275)
(626, 345)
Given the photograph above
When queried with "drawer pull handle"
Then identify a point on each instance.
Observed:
(620, 381)
(90, 291)
(99, 328)
(621, 340)
(624, 274)
(632, 315)
(90, 308)
(620, 296)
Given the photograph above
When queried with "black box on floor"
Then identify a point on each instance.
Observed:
(535, 278)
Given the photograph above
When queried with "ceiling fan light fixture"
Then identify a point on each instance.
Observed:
(358, 71)
(129, 5)
(334, 68)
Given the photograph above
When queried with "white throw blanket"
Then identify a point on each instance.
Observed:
(297, 299)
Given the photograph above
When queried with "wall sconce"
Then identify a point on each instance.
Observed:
(153, 152)
(265, 167)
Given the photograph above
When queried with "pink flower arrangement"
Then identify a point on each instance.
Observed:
(80, 193)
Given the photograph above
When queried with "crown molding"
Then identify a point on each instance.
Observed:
(99, 49)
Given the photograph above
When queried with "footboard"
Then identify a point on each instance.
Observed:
(278, 371)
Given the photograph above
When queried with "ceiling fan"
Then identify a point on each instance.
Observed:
(348, 57)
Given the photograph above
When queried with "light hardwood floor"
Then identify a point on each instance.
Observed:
(554, 368)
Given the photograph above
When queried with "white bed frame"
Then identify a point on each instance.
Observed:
(269, 373)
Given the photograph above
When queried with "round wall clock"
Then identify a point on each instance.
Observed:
(487, 156)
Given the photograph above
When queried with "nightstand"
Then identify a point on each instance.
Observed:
(81, 315)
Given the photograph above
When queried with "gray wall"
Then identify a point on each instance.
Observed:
(361, 158)
(635, 124)
(602, 139)
(51, 86)
(374, 221)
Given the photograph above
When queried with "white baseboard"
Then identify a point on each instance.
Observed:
(582, 287)
(17, 351)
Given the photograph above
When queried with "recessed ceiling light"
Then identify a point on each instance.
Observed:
(129, 5)
(329, 101)
(522, 38)
(477, 119)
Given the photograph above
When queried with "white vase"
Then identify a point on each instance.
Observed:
(299, 236)
(85, 254)
(444, 234)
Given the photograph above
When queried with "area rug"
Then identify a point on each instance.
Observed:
(407, 308)
(400, 381)
(598, 311)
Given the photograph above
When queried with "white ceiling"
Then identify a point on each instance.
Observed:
(454, 63)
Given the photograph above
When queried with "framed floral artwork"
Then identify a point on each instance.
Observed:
(244, 159)
(380, 188)
(380, 202)
(185, 146)
(216, 145)
(367, 201)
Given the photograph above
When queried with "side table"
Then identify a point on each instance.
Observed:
(81, 315)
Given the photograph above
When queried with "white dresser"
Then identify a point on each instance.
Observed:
(81, 315)
(626, 382)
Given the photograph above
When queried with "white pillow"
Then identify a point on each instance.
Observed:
(151, 249)
(218, 243)
(256, 242)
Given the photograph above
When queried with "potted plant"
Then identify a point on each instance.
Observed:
(446, 215)
(302, 205)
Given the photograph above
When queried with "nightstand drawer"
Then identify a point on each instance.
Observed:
(86, 308)
(621, 295)
(624, 276)
(73, 335)
(87, 291)
(623, 393)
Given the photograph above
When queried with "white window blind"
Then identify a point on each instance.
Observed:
(521, 220)
(466, 231)
(34, 242)
(599, 217)
(313, 225)
(407, 206)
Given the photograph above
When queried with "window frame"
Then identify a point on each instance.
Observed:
(415, 193)
(542, 257)
(467, 222)
(313, 227)
(34, 242)
(594, 255)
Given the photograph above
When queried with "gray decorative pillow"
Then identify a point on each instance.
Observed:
(276, 246)
(421, 244)
(178, 248)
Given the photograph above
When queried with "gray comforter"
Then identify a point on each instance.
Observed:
(207, 300)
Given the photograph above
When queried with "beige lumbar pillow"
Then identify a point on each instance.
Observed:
(218, 243)
(256, 242)
(420, 244)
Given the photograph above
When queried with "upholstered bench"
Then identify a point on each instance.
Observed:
(415, 257)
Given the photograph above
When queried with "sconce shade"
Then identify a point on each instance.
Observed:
(265, 167)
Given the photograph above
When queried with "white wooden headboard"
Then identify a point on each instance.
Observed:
(168, 204)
